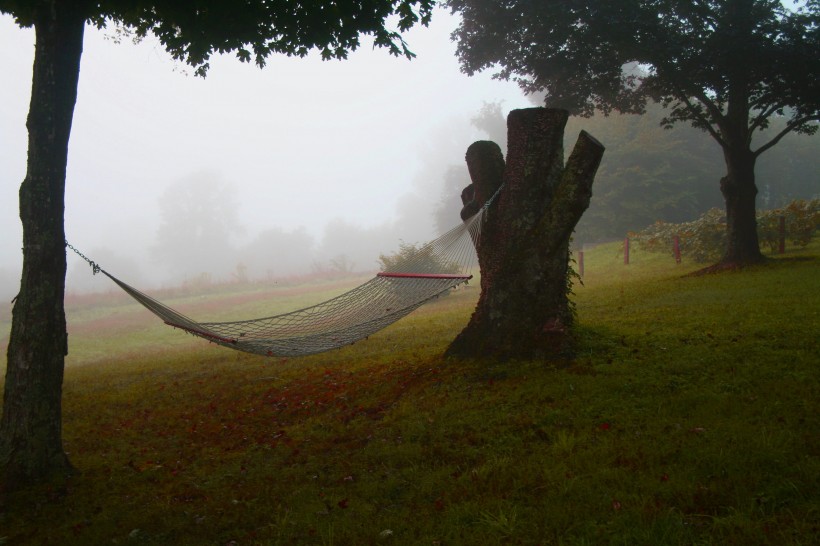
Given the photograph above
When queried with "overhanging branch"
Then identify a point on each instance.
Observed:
(713, 110)
(788, 129)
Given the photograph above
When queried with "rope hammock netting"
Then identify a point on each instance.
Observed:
(432, 269)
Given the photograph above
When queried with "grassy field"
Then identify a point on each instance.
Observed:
(689, 416)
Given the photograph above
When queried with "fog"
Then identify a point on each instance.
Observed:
(252, 173)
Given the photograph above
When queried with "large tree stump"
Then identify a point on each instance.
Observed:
(524, 310)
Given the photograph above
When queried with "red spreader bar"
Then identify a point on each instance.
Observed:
(202, 333)
(424, 276)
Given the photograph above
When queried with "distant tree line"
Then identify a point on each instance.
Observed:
(201, 236)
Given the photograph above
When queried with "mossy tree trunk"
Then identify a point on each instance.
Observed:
(31, 448)
(524, 309)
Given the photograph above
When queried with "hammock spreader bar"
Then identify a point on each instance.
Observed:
(424, 276)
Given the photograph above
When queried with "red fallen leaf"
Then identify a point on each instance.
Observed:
(616, 505)
(665, 477)
(604, 426)
(439, 504)
(342, 503)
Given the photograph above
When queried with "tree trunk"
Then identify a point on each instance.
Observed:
(524, 310)
(31, 447)
(738, 186)
(739, 192)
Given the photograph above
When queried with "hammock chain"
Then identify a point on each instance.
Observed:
(94, 267)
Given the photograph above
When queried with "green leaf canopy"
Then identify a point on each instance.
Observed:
(192, 31)
(693, 56)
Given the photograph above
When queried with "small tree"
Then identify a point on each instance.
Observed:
(728, 67)
(30, 429)
(417, 259)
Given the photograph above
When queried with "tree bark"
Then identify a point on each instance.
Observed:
(524, 310)
(31, 448)
(739, 192)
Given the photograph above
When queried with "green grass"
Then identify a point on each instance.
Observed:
(688, 417)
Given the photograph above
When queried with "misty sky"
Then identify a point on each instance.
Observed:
(300, 143)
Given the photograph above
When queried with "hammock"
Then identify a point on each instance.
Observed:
(434, 268)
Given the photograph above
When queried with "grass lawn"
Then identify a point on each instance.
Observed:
(689, 416)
